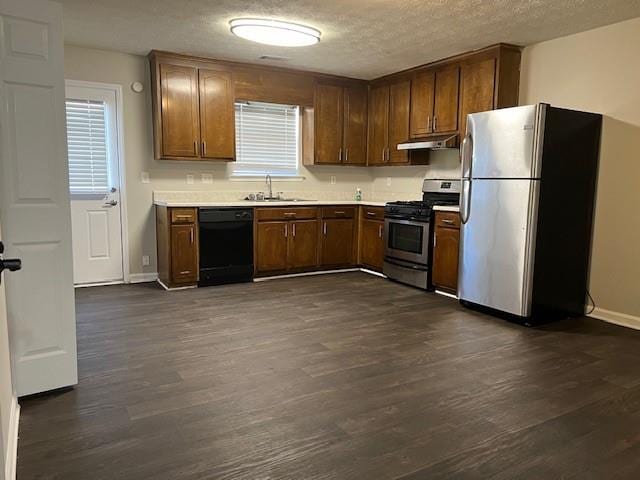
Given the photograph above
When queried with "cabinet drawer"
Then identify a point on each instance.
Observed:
(294, 213)
(373, 213)
(448, 219)
(183, 215)
(338, 212)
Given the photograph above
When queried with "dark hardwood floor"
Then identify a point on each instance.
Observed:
(345, 376)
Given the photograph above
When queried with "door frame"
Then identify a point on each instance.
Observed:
(124, 228)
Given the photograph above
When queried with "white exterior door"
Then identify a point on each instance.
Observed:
(34, 196)
(93, 148)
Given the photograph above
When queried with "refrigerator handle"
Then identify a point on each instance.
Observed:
(466, 148)
(465, 200)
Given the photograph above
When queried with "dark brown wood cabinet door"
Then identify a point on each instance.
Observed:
(272, 246)
(372, 244)
(328, 124)
(477, 86)
(445, 258)
(422, 86)
(399, 105)
(217, 116)
(378, 125)
(179, 111)
(445, 107)
(303, 244)
(184, 254)
(337, 242)
(355, 126)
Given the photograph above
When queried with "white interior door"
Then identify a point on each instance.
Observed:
(96, 220)
(34, 196)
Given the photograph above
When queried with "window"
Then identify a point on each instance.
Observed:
(87, 143)
(266, 139)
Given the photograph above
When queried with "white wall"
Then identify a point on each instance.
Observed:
(124, 69)
(599, 71)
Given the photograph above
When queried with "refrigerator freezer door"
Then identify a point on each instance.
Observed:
(504, 142)
(497, 245)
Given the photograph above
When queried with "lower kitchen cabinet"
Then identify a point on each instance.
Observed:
(271, 245)
(177, 237)
(337, 242)
(446, 244)
(303, 244)
(372, 244)
(286, 239)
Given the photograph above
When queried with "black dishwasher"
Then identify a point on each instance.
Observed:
(226, 245)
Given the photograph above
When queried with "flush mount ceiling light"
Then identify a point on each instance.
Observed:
(274, 32)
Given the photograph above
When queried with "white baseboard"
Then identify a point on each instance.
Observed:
(12, 442)
(142, 277)
(618, 318)
(305, 274)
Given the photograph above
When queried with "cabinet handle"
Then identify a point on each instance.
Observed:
(289, 214)
(428, 122)
(204, 149)
(346, 155)
(448, 222)
(340, 156)
(338, 212)
(195, 147)
(435, 240)
(286, 230)
(371, 214)
(384, 155)
(435, 124)
(294, 229)
(380, 231)
(191, 235)
(324, 228)
(388, 155)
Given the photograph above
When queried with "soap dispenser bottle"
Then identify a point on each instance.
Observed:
(358, 194)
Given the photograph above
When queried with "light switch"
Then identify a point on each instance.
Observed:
(190, 179)
(145, 260)
(144, 177)
(333, 179)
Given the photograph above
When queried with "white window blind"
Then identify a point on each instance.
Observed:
(87, 145)
(266, 139)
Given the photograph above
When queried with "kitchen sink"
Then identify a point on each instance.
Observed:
(267, 200)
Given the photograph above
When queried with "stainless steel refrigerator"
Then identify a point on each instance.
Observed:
(526, 208)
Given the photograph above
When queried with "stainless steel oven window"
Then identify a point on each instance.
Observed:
(406, 240)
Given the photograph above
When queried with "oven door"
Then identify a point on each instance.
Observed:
(406, 240)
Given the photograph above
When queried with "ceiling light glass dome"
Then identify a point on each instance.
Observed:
(274, 32)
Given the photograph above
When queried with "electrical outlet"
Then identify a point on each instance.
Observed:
(207, 178)
(190, 180)
(333, 179)
(388, 181)
(145, 260)
(144, 177)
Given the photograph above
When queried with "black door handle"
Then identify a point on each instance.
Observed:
(11, 264)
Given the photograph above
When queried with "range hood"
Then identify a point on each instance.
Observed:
(439, 142)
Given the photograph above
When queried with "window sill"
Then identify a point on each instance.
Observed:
(262, 178)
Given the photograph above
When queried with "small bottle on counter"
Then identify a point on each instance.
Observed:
(358, 194)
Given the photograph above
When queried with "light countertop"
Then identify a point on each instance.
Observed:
(248, 203)
(446, 208)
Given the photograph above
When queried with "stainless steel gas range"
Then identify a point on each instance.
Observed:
(407, 255)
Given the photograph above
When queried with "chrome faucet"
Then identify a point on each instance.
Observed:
(268, 181)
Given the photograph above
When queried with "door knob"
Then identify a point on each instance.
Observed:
(111, 203)
(11, 264)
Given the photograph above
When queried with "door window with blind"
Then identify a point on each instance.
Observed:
(91, 141)
(267, 139)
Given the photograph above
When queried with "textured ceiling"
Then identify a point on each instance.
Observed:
(360, 38)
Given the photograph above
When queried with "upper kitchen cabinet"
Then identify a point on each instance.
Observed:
(434, 101)
(340, 125)
(389, 123)
(193, 111)
(489, 79)
(217, 117)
